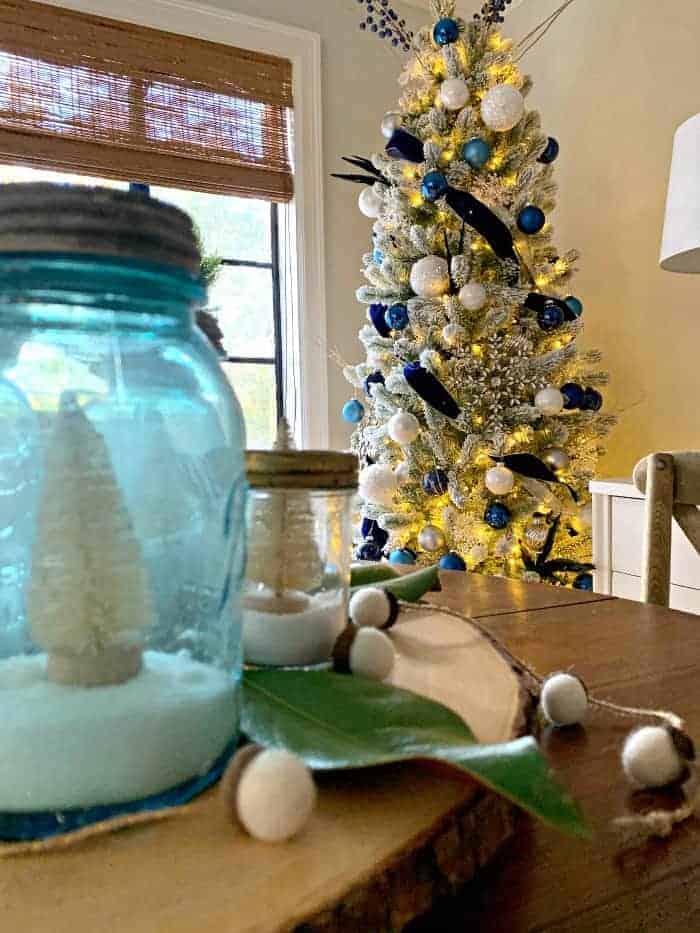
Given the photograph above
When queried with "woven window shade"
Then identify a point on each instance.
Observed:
(106, 98)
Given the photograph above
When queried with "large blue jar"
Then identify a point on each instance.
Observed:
(122, 497)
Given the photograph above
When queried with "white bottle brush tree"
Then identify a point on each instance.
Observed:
(283, 557)
(478, 418)
(88, 598)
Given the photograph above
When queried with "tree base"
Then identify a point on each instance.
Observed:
(112, 666)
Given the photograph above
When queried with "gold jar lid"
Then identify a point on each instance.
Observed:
(284, 467)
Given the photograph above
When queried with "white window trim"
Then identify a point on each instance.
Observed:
(306, 371)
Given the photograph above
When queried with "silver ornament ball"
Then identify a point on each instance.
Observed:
(472, 296)
(391, 121)
(502, 107)
(430, 277)
(369, 202)
(556, 458)
(453, 334)
(454, 93)
(499, 480)
(549, 401)
(536, 535)
(431, 538)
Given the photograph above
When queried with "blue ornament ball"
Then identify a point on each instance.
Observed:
(378, 256)
(531, 220)
(435, 482)
(575, 305)
(375, 378)
(370, 550)
(445, 31)
(396, 317)
(592, 400)
(573, 395)
(550, 151)
(434, 186)
(402, 555)
(584, 581)
(550, 316)
(476, 152)
(452, 561)
(497, 515)
(353, 411)
(372, 531)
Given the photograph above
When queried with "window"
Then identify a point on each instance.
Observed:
(243, 234)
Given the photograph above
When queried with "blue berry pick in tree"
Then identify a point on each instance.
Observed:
(472, 322)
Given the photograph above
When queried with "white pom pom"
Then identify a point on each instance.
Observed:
(499, 480)
(650, 758)
(502, 107)
(472, 296)
(430, 277)
(549, 401)
(371, 654)
(369, 202)
(403, 427)
(275, 796)
(372, 606)
(454, 93)
(378, 484)
(564, 700)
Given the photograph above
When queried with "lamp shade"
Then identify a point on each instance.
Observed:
(680, 246)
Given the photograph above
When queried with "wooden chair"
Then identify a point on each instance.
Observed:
(671, 485)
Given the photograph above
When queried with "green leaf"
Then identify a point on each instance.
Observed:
(337, 721)
(366, 573)
(410, 587)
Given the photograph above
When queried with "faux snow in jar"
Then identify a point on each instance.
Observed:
(121, 514)
(299, 552)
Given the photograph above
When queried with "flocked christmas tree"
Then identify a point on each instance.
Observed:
(480, 423)
(88, 598)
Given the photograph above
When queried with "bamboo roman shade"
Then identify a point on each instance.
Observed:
(107, 98)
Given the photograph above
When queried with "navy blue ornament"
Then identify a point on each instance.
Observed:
(375, 378)
(434, 186)
(369, 551)
(573, 395)
(531, 220)
(396, 317)
(445, 31)
(575, 305)
(497, 515)
(403, 145)
(476, 152)
(402, 555)
(430, 389)
(353, 411)
(550, 316)
(550, 151)
(371, 531)
(452, 561)
(376, 315)
(435, 482)
(584, 581)
(592, 400)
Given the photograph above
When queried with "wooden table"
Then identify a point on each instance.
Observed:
(625, 651)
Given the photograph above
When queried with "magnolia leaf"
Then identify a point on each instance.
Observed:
(410, 587)
(368, 573)
(335, 721)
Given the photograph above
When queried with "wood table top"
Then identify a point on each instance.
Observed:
(633, 654)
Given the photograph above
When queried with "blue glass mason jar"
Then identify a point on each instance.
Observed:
(122, 499)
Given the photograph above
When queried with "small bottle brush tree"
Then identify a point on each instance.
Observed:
(88, 599)
(471, 327)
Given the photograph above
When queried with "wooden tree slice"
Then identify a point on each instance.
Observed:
(384, 844)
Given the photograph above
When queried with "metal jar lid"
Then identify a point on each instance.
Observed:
(42, 217)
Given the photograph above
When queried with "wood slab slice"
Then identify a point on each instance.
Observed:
(383, 846)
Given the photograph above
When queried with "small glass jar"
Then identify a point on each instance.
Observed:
(122, 500)
(299, 551)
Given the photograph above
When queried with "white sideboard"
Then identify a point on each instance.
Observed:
(618, 532)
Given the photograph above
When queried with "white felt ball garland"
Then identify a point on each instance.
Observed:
(369, 202)
(373, 607)
(270, 792)
(564, 699)
(650, 757)
(378, 483)
(365, 651)
(403, 427)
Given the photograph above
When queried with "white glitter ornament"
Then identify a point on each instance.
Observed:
(556, 458)
(377, 483)
(472, 296)
(453, 334)
(430, 538)
(564, 700)
(502, 107)
(454, 93)
(271, 791)
(499, 480)
(650, 757)
(549, 401)
(403, 427)
(430, 277)
(402, 473)
(374, 607)
(369, 202)
(478, 553)
(390, 122)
